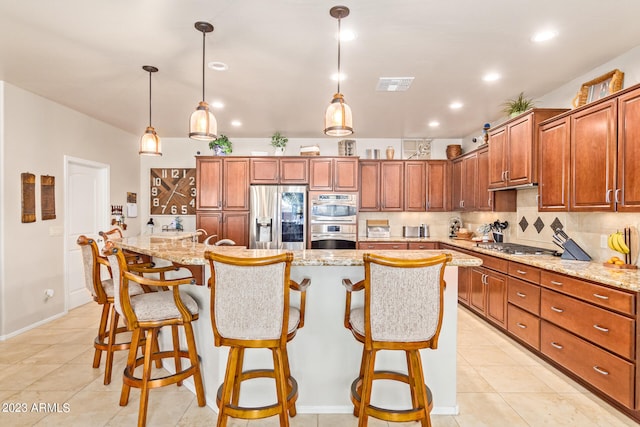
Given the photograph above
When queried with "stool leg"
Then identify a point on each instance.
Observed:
(193, 357)
(131, 364)
(176, 350)
(281, 385)
(102, 332)
(227, 386)
(152, 337)
(363, 362)
(237, 378)
(113, 330)
(287, 374)
(412, 383)
(421, 390)
(367, 382)
(156, 349)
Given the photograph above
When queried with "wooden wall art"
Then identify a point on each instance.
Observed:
(28, 197)
(48, 196)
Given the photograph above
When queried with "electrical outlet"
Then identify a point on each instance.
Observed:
(603, 241)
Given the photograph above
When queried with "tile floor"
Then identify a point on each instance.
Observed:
(499, 384)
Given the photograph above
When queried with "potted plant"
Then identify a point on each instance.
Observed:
(221, 145)
(279, 142)
(513, 107)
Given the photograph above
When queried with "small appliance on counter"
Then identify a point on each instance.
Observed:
(571, 248)
(454, 225)
(378, 228)
(411, 231)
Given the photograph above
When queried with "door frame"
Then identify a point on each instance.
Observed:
(103, 209)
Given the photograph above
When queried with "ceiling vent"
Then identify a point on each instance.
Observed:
(394, 84)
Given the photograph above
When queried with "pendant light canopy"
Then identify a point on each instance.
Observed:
(150, 142)
(338, 120)
(203, 125)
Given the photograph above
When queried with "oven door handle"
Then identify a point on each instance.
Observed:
(333, 237)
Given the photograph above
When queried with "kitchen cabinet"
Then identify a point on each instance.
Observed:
(382, 185)
(222, 183)
(465, 176)
(464, 285)
(422, 245)
(554, 173)
(270, 170)
(523, 303)
(513, 148)
(488, 295)
(383, 245)
(627, 193)
(226, 225)
(415, 186)
(438, 186)
(339, 174)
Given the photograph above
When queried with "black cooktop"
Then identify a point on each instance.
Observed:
(517, 249)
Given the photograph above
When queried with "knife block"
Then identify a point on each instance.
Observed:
(573, 251)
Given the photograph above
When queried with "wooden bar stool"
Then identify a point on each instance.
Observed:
(145, 315)
(250, 309)
(403, 301)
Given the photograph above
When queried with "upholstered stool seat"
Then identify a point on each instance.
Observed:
(403, 303)
(250, 309)
(145, 315)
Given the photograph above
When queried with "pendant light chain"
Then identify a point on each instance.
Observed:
(149, 98)
(339, 36)
(204, 34)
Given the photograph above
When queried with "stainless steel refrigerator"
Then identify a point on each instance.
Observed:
(278, 217)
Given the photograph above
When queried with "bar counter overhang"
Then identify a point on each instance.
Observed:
(324, 356)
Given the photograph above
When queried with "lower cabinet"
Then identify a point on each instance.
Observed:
(226, 225)
(383, 245)
(488, 295)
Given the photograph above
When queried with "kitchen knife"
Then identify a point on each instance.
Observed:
(562, 233)
(558, 241)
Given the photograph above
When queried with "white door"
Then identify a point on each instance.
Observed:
(86, 212)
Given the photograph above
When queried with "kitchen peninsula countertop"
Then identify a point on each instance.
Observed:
(589, 270)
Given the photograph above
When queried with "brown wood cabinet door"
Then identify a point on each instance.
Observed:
(438, 186)
(321, 174)
(370, 185)
(392, 186)
(553, 185)
(236, 184)
(520, 163)
(496, 289)
(211, 222)
(294, 171)
(208, 183)
(415, 186)
(346, 174)
(235, 226)
(484, 198)
(264, 171)
(469, 182)
(477, 296)
(628, 183)
(593, 158)
(456, 185)
(464, 284)
(497, 150)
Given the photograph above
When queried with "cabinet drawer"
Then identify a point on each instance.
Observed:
(623, 302)
(498, 264)
(524, 295)
(524, 272)
(610, 374)
(423, 245)
(382, 245)
(607, 329)
(524, 325)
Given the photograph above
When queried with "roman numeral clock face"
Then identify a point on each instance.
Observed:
(173, 191)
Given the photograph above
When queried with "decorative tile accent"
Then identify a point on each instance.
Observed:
(556, 224)
(539, 225)
(523, 224)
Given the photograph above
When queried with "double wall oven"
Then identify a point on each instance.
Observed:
(333, 220)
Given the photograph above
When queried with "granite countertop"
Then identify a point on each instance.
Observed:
(590, 270)
(190, 253)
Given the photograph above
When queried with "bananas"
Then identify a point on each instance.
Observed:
(616, 242)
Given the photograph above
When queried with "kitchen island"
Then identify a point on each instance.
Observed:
(324, 356)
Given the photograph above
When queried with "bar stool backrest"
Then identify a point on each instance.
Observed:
(115, 260)
(91, 268)
(404, 298)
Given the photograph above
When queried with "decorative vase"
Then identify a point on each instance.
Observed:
(390, 152)
(453, 151)
(218, 151)
(279, 151)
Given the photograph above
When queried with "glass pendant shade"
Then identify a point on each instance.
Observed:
(150, 143)
(337, 119)
(203, 125)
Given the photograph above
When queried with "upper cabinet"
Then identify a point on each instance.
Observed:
(222, 183)
(285, 170)
(513, 148)
(553, 182)
(627, 193)
(438, 199)
(415, 186)
(382, 185)
(333, 174)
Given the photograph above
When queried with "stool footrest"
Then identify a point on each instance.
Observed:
(259, 411)
(131, 380)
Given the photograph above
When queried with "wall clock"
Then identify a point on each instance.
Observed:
(173, 191)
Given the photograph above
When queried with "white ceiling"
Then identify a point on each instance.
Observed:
(88, 56)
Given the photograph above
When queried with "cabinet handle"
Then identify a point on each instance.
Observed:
(557, 310)
(521, 295)
(462, 203)
(607, 196)
(616, 194)
(601, 296)
(428, 205)
(537, 200)
(600, 328)
(553, 282)
(521, 272)
(506, 175)
(219, 204)
(520, 325)
(395, 246)
(489, 202)
(600, 370)
(558, 346)
(486, 279)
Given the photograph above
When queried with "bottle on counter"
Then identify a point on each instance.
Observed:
(150, 226)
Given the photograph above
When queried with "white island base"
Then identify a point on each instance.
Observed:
(325, 357)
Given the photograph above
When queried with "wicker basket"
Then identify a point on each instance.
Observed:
(453, 151)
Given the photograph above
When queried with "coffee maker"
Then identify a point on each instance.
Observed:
(454, 225)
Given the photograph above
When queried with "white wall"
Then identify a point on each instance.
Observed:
(35, 135)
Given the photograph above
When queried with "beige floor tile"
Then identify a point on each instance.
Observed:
(12, 351)
(599, 413)
(486, 356)
(547, 409)
(165, 409)
(33, 414)
(505, 379)
(20, 377)
(346, 420)
(86, 408)
(197, 416)
(45, 336)
(470, 381)
(56, 353)
(66, 377)
(300, 420)
(486, 410)
(436, 421)
(557, 381)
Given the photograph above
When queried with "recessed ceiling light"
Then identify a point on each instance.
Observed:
(434, 124)
(217, 104)
(544, 36)
(456, 105)
(236, 123)
(218, 66)
(491, 77)
(343, 77)
(347, 35)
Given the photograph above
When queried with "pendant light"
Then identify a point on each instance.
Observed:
(203, 125)
(150, 142)
(337, 119)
